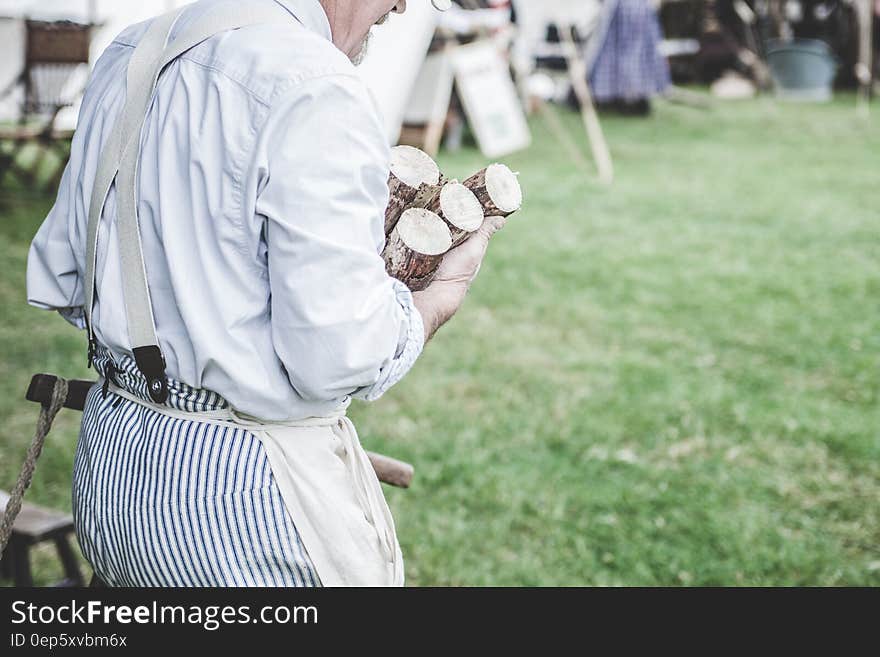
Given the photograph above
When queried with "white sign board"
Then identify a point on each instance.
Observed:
(490, 99)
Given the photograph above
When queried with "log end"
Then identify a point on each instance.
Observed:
(414, 167)
(461, 207)
(424, 232)
(503, 188)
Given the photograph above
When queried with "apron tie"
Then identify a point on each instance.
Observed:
(370, 495)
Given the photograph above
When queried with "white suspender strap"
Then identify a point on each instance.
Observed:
(111, 155)
(119, 161)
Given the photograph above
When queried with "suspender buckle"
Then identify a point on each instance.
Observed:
(151, 364)
(109, 376)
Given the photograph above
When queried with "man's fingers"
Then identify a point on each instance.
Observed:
(489, 227)
(492, 225)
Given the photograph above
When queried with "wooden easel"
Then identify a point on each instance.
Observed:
(577, 60)
(577, 71)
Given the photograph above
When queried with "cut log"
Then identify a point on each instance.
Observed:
(414, 167)
(416, 247)
(498, 190)
(410, 169)
(460, 208)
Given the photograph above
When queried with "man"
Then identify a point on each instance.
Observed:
(260, 186)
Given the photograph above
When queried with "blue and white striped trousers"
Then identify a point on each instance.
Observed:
(166, 501)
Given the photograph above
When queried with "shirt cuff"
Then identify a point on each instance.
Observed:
(75, 316)
(409, 348)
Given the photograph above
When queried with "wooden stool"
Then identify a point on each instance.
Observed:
(34, 525)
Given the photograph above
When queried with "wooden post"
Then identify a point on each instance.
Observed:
(577, 71)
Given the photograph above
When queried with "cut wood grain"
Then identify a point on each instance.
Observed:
(497, 189)
(411, 169)
(460, 208)
(416, 247)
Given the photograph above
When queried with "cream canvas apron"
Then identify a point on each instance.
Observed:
(323, 473)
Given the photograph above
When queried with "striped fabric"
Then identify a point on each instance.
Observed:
(629, 65)
(181, 397)
(167, 501)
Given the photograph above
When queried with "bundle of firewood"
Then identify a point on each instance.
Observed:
(428, 215)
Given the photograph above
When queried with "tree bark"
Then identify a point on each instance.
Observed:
(410, 169)
(416, 247)
(400, 199)
(497, 189)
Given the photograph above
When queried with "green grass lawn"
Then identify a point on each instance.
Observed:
(671, 381)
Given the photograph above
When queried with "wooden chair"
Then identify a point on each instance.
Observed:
(54, 76)
(35, 525)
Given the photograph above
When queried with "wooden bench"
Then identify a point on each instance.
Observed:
(35, 525)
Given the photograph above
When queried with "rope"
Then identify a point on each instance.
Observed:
(44, 423)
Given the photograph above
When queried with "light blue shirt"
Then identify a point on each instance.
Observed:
(262, 190)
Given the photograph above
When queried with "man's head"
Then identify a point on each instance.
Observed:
(352, 20)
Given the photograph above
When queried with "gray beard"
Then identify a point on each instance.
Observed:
(358, 59)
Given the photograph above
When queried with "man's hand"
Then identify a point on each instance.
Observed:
(462, 264)
(443, 297)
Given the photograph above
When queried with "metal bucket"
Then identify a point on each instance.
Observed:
(802, 69)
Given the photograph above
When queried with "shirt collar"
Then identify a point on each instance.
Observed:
(311, 14)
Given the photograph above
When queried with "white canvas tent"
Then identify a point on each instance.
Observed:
(396, 53)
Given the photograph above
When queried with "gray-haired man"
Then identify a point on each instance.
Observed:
(218, 231)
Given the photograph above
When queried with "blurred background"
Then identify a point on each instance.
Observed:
(667, 372)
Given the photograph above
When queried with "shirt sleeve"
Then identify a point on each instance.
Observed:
(340, 325)
(53, 278)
